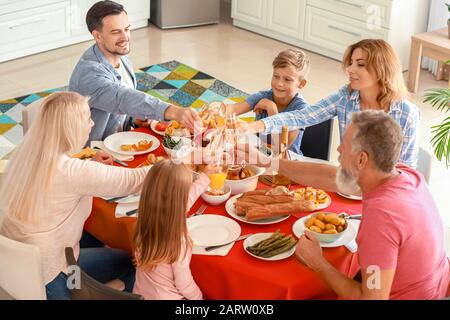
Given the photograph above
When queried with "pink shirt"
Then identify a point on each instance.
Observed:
(401, 229)
(172, 281)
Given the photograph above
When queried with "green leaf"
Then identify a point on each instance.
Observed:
(441, 141)
(438, 98)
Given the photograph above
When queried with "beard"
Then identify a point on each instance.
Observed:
(118, 51)
(347, 182)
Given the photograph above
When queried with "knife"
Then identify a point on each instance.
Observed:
(210, 248)
(120, 162)
(130, 213)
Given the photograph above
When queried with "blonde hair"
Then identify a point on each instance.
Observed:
(161, 230)
(385, 64)
(295, 58)
(58, 129)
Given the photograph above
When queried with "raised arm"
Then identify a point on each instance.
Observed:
(238, 108)
(90, 178)
(308, 116)
(316, 175)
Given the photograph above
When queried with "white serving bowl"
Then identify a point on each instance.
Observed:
(185, 144)
(326, 237)
(247, 184)
(216, 200)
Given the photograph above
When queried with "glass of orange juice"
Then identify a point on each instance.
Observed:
(217, 181)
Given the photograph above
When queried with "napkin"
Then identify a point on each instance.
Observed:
(123, 208)
(352, 246)
(223, 251)
(118, 156)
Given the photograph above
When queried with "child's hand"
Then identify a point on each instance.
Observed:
(267, 105)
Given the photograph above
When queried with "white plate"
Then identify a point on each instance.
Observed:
(211, 229)
(322, 206)
(231, 210)
(153, 127)
(114, 141)
(349, 196)
(299, 228)
(261, 236)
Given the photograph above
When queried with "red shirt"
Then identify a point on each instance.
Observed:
(401, 229)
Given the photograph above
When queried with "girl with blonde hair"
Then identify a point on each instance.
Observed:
(46, 195)
(162, 243)
(375, 82)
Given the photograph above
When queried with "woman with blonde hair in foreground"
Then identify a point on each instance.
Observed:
(375, 82)
(46, 195)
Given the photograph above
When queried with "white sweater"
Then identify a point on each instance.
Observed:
(76, 182)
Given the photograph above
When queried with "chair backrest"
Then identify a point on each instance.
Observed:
(316, 140)
(21, 270)
(91, 289)
(424, 163)
(29, 113)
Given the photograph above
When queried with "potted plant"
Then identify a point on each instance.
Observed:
(440, 98)
(448, 21)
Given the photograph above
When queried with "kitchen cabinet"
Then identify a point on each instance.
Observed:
(328, 27)
(29, 27)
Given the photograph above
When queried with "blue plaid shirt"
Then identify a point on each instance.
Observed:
(342, 104)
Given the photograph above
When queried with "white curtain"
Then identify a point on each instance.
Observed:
(437, 20)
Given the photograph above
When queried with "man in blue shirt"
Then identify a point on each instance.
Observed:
(105, 75)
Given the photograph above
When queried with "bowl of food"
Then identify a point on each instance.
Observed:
(326, 226)
(177, 146)
(243, 179)
(216, 198)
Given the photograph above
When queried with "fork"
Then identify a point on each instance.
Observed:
(210, 248)
(347, 216)
(200, 210)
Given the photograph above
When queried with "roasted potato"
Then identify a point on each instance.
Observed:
(327, 223)
(310, 222)
(315, 229)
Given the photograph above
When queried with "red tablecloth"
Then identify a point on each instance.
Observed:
(237, 275)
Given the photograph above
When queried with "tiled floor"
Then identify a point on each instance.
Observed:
(239, 57)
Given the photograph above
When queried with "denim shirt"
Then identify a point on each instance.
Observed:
(342, 104)
(297, 103)
(96, 78)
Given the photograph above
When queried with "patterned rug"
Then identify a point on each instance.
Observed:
(173, 82)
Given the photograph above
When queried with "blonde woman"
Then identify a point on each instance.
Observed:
(163, 246)
(375, 82)
(47, 195)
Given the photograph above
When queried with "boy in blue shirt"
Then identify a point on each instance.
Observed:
(290, 68)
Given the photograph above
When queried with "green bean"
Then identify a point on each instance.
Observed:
(168, 142)
(279, 250)
(276, 244)
(273, 237)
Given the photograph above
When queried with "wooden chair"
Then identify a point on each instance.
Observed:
(91, 289)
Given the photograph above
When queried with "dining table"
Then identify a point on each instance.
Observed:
(238, 275)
